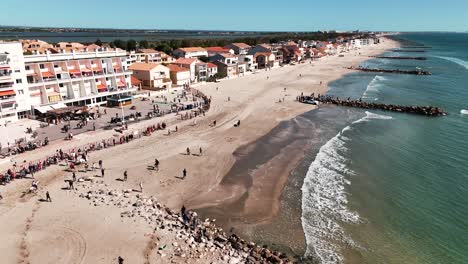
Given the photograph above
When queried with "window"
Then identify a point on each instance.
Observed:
(20, 91)
(17, 70)
(27, 67)
(19, 81)
(41, 66)
(60, 84)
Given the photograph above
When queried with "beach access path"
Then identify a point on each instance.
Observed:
(69, 230)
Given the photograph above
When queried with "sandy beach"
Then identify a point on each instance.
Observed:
(73, 230)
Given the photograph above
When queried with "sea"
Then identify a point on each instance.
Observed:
(391, 187)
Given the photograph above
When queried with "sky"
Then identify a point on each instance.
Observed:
(243, 15)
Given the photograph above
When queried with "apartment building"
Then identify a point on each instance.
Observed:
(191, 52)
(153, 76)
(51, 79)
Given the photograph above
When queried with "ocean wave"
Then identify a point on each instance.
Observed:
(324, 199)
(455, 60)
(373, 87)
(464, 112)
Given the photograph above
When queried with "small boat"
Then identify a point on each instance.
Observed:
(464, 112)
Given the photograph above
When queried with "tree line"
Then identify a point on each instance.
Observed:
(168, 46)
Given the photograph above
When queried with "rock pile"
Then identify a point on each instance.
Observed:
(190, 239)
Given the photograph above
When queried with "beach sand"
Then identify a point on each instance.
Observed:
(70, 230)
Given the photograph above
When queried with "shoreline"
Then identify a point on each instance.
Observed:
(259, 113)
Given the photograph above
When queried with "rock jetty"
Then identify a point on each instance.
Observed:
(178, 238)
(403, 50)
(419, 110)
(399, 58)
(414, 72)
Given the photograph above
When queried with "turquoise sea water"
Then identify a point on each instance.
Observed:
(393, 188)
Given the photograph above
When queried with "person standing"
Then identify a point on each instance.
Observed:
(184, 173)
(102, 172)
(74, 176)
(48, 199)
(201, 151)
(125, 175)
(141, 187)
(70, 185)
(120, 259)
(188, 151)
(156, 164)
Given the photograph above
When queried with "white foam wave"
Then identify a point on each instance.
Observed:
(464, 112)
(373, 87)
(455, 60)
(324, 199)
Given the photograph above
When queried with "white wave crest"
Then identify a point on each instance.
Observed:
(455, 60)
(464, 112)
(324, 199)
(373, 87)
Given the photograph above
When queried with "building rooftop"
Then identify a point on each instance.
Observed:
(185, 61)
(192, 49)
(141, 66)
(148, 51)
(176, 68)
(241, 45)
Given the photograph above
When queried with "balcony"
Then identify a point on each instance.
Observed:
(6, 85)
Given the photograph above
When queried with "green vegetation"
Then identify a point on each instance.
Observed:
(168, 46)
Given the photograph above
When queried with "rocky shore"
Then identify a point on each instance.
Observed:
(192, 239)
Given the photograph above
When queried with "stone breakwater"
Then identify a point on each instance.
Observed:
(413, 72)
(419, 110)
(398, 58)
(178, 240)
(402, 50)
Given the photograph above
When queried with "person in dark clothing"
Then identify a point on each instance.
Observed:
(125, 175)
(74, 176)
(121, 260)
(183, 214)
(102, 172)
(48, 199)
(184, 173)
(156, 164)
(70, 185)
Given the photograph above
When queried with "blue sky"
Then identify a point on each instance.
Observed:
(284, 15)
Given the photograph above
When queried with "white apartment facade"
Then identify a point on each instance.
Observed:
(50, 81)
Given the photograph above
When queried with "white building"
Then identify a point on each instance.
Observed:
(191, 52)
(46, 81)
(14, 94)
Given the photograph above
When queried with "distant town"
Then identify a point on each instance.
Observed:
(37, 77)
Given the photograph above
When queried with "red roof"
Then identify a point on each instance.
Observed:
(241, 45)
(185, 61)
(135, 81)
(218, 49)
(211, 65)
(176, 68)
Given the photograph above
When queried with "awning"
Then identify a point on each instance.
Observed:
(47, 74)
(96, 68)
(116, 66)
(4, 67)
(43, 109)
(52, 94)
(7, 92)
(75, 71)
(32, 74)
(101, 86)
(85, 70)
(120, 84)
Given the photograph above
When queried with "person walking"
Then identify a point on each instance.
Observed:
(184, 173)
(120, 259)
(102, 172)
(141, 187)
(74, 176)
(100, 164)
(201, 151)
(183, 214)
(125, 175)
(70, 185)
(188, 151)
(156, 164)
(48, 199)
